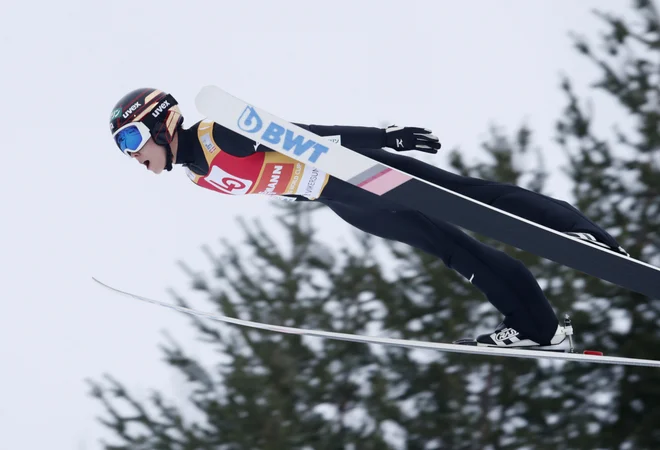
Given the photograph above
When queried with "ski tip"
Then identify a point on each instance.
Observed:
(593, 352)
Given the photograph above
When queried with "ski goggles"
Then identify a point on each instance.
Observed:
(131, 137)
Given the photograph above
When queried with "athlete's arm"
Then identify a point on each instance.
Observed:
(352, 137)
(397, 138)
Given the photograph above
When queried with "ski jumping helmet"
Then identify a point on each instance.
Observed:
(142, 114)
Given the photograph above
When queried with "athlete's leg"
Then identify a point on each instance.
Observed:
(538, 208)
(505, 281)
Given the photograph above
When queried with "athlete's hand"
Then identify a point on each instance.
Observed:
(411, 138)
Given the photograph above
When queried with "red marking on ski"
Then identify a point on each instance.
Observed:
(593, 352)
(384, 181)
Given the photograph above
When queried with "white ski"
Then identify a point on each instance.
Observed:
(489, 351)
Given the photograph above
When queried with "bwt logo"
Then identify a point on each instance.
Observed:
(278, 135)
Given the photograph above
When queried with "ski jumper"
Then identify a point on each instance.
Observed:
(219, 159)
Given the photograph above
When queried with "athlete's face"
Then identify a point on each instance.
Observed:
(152, 156)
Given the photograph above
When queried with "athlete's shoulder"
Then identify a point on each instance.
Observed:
(229, 141)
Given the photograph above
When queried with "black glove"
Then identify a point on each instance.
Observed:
(411, 138)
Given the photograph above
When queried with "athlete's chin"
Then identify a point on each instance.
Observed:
(157, 170)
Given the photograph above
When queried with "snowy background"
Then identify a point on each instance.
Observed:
(74, 207)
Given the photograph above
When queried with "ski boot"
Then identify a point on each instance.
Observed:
(509, 337)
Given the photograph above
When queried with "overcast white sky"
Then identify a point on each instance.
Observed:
(74, 207)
